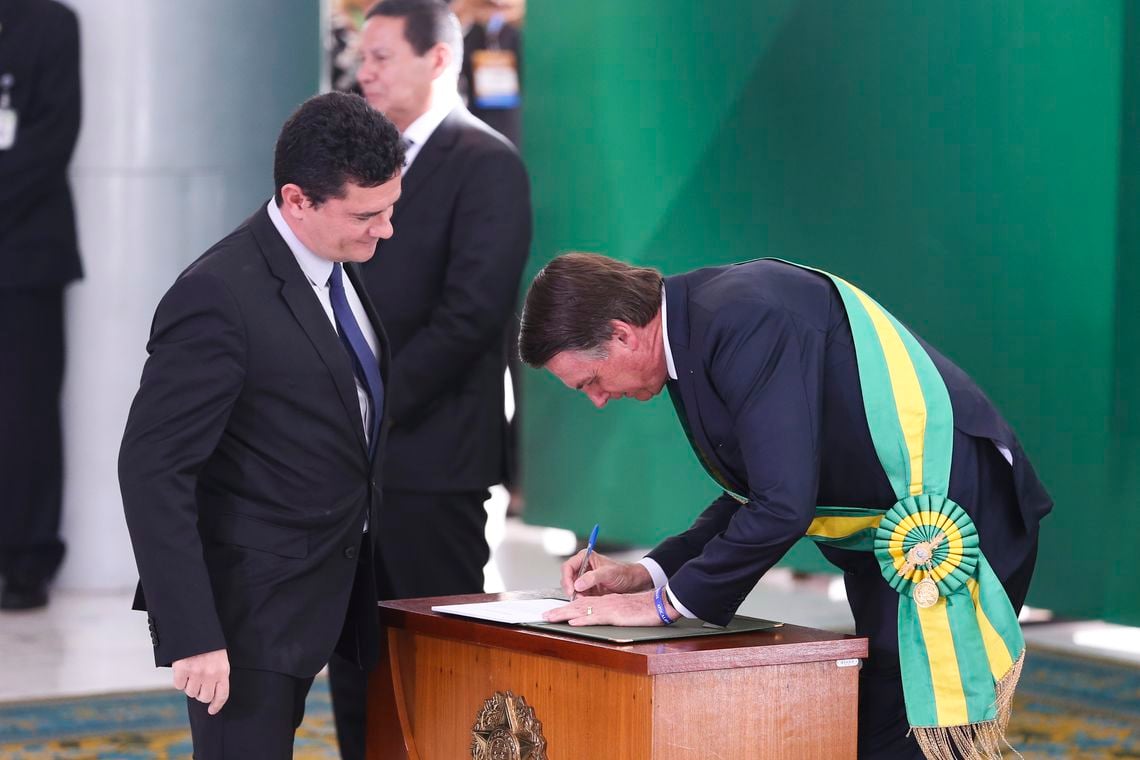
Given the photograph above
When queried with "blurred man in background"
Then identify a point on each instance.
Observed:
(39, 124)
(491, 79)
(445, 285)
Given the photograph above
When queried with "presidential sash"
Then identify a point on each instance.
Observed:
(960, 645)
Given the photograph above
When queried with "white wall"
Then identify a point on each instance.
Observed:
(182, 105)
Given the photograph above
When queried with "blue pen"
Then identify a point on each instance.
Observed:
(586, 559)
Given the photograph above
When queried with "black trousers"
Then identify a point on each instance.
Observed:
(259, 719)
(433, 545)
(982, 482)
(31, 458)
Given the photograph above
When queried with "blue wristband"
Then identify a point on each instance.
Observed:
(660, 604)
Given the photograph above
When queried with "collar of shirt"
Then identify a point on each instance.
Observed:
(665, 339)
(318, 270)
(420, 130)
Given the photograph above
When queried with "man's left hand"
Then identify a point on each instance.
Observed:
(611, 609)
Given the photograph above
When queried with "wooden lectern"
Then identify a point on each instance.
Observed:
(452, 688)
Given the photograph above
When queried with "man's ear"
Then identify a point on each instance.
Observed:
(625, 334)
(293, 200)
(442, 56)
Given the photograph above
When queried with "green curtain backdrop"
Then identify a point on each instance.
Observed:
(1122, 559)
(963, 162)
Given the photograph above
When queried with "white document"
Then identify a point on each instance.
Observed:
(510, 611)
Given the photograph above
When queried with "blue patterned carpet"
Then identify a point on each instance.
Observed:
(1066, 707)
(1074, 707)
(150, 724)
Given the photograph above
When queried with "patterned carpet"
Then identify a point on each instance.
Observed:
(1066, 707)
(145, 725)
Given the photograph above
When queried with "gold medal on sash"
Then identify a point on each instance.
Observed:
(921, 555)
(925, 593)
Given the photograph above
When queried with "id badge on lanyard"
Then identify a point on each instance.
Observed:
(8, 116)
(495, 72)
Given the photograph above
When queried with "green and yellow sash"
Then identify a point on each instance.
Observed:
(960, 645)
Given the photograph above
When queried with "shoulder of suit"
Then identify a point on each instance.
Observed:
(53, 12)
(476, 134)
(758, 286)
(232, 255)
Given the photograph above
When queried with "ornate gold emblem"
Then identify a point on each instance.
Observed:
(921, 554)
(925, 593)
(506, 729)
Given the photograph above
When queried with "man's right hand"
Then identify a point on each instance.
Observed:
(205, 677)
(604, 576)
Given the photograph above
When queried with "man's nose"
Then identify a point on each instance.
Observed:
(381, 230)
(599, 398)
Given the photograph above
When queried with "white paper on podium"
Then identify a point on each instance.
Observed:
(509, 611)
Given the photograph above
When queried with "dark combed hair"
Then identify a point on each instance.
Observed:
(333, 139)
(426, 24)
(573, 300)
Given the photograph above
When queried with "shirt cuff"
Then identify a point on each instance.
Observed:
(659, 580)
(655, 571)
(677, 604)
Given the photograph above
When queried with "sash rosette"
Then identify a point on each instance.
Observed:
(927, 537)
(960, 646)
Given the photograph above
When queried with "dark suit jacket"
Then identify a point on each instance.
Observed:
(244, 470)
(39, 47)
(445, 285)
(768, 382)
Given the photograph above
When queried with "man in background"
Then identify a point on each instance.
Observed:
(250, 463)
(39, 125)
(445, 285)
(491, 79)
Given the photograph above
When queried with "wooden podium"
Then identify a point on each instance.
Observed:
(452, 688)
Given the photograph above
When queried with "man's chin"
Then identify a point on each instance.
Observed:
(365, 253)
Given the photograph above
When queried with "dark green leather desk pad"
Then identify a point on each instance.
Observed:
(684, 628)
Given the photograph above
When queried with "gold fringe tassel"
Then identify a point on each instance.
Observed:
(976, 741)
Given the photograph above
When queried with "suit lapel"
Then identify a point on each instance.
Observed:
(690, 385)
(431, 155)
(299, 297)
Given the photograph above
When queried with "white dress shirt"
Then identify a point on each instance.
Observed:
(319, 271)
(422, 128)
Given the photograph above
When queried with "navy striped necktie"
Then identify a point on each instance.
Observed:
(364, 363)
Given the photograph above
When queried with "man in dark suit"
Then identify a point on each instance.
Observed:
(760, 362)
(251, 461)
(445, 285)
(39, 124)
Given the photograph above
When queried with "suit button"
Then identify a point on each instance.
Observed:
(350, 552)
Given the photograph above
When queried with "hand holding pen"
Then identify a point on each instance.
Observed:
(611, 587)
(585, 561)
(589, 573)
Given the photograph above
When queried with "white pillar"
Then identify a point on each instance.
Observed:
(182, 104)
